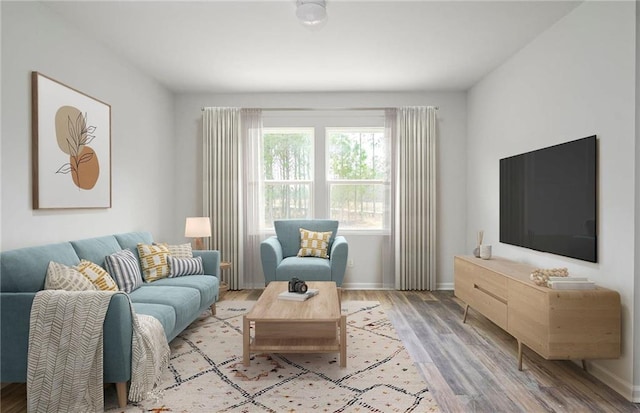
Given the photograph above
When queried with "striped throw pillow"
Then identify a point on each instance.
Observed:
(153, 260)
(184, 266)
(97, 275)
(62, 277)
(123, 266)
(314, 244)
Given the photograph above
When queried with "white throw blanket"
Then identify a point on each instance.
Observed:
(65, 370)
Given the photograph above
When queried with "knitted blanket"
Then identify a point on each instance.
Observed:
(65, 365)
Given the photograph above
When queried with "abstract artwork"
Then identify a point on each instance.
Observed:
(71, 132)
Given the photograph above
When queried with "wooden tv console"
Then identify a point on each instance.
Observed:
(556, 324)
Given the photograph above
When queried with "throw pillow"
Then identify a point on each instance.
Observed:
(62, 277)
(314, 244)
(153, 259)
(123, 266)
(184, 266)
(179, 250)
(97, 275)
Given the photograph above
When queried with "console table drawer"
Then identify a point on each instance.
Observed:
(490, 306)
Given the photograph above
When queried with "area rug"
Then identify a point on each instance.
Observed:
(206, 373)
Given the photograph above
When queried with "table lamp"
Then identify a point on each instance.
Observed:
(197, 227)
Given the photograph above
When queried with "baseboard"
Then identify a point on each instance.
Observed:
(444, 286)
(624, 388)
(365, 286)
(360, 286)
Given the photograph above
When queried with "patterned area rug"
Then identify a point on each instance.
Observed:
(206, 373)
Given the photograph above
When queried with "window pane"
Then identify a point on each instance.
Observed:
(285, 201)
(357, 154)
(288, 154)
(361, 206)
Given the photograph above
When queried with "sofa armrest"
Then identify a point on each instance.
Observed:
(271, 256)
(210, 261)
(338, 256)
(118, 332)
(14, 338)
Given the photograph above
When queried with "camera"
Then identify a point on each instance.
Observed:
(297, 286)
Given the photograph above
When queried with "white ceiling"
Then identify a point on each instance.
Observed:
(259, 46)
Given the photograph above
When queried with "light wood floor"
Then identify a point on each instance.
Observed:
(468, 367)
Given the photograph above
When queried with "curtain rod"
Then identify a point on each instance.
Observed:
(327, 109)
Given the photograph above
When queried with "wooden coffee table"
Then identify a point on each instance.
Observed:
(282, 326)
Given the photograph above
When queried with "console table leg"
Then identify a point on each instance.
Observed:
(519, 355)
(464, 317)
(246, 340)
(584, 364)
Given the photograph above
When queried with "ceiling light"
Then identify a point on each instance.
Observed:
(311, 12)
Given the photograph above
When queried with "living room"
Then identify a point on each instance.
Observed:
(576, 78)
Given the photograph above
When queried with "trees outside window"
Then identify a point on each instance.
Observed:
(358, 177)
(355, 186)
(288, 173)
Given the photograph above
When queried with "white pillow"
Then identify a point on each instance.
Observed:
(62, 277)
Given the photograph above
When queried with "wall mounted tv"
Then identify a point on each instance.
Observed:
(548, 199)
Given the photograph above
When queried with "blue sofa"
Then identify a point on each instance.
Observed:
(279, 253)
(175, 302)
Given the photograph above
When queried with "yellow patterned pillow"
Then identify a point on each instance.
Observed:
(314, 244)
(153, 260)
(97, 275)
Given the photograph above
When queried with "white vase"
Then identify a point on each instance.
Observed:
(485, 252)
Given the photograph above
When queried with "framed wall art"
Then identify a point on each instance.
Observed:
(71, 147)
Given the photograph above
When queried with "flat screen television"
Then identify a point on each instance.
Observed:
(548, 199)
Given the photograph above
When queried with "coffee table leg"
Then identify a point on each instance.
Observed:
(246, 339)
(343, 341)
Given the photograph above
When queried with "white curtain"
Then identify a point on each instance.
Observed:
(221, 186)
(414, 231)
(252, 214)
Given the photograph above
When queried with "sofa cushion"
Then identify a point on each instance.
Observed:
(184, 266)
(24, 269)
(153, 259)
(63, 277)
(164, 313)
(203, 283)
(288, 232)
(95, 249)
(184, 300)
(307, 269)
(314, 244)
(124, 268)
(97, 275)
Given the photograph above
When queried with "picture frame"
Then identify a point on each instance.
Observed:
(71, 147)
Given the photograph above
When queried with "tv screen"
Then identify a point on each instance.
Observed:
(548, 199)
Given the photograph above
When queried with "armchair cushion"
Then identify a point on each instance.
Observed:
(314, 244)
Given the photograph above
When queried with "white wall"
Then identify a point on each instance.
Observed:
(451, 167)
(576, 79)
(36, 39)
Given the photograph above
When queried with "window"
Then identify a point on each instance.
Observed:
(351, 182)
(288, 173)
(358, 177)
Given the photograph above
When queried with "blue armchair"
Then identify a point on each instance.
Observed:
(279, 253)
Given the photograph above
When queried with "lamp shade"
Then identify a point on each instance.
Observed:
(197, 227)
(311, 12)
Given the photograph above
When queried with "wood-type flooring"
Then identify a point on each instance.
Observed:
(468, 367)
